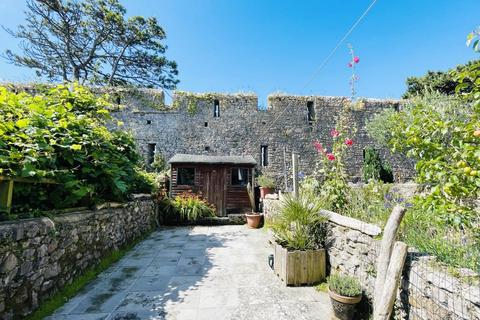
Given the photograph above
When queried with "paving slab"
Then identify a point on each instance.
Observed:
(196, 273)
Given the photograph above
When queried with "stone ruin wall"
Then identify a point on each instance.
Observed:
(190, 127)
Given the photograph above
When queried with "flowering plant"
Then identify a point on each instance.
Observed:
(330, 169)
(353, 79)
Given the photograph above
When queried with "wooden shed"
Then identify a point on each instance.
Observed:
(221, 180)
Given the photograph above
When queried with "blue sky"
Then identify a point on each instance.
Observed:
(264, 46)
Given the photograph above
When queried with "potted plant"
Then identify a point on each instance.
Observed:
(267, 185)
(345, 293)
(254, 219)
(300, 233)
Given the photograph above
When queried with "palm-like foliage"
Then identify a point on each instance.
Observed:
(299, 224)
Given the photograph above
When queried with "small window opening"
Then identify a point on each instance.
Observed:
(186, 176)
(239, 176)
(263, 122)
(311, 112)
(264, 155)
(216, 108)
(152, 148)
(149, 121)
(207, 148)
(396, 107)
(206, 124)
(118, 99)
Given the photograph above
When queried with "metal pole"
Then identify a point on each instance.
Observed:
(295, 174)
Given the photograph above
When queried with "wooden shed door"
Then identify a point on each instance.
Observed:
(214, 188)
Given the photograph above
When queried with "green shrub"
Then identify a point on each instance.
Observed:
(191, 207)
(374, 168)
(186, 206)
(159, 164)
(60, 133)
(266, 181)
(344, 285)
(299, 224)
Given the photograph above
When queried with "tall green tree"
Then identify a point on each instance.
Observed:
(91, 41)
(443, 82)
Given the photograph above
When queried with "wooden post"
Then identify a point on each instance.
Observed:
(384, 257)
(392, 279)
(6, 194)
(295, 174)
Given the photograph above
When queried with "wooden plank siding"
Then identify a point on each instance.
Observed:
(232, 198)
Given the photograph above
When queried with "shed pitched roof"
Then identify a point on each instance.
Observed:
(192, 158)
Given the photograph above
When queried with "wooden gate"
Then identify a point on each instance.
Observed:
(214, 188)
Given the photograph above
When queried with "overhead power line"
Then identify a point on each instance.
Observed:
(321, 66)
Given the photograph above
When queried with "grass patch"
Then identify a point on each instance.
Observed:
(48, 306)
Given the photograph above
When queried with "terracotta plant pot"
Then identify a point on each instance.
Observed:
(264, 191)
(254, 220)
(344, 307)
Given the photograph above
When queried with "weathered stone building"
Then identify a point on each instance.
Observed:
(232, 124)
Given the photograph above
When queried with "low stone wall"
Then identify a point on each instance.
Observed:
(39, 256)
(427, 291)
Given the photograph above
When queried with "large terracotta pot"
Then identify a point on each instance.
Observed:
(254, 220)
(344, 307)
(264, 191)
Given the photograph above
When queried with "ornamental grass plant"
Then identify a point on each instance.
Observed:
(299, 224)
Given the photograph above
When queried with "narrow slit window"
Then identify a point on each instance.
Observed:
(311, 112)
(264, 155)
(239, 176)
(216, 108)
(207, 148)
(206, 124)
(152, 149)
(149, 121)
(186, 176)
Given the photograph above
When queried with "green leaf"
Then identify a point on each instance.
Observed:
(22, 123)
(76, 147)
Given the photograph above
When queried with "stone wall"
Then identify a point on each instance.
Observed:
(189, 126)
(428, 291)
(39, 256)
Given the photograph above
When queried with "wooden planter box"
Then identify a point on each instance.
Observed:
(299, 267)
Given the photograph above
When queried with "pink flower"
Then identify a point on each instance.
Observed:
(334, 133)
(330, 156)
(348, 142)
(356, 59)
(350, 64)
(318, 146)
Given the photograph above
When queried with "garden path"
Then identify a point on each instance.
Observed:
(193, 273)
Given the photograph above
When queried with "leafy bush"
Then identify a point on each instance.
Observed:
(299, 224)
(374, 168)
(159, 164)
(439, 133)
(344, 285)
(60, 134)
(266, 181)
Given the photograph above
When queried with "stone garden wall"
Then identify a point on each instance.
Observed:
(189, 126)
(427, 291)
(39, 256)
